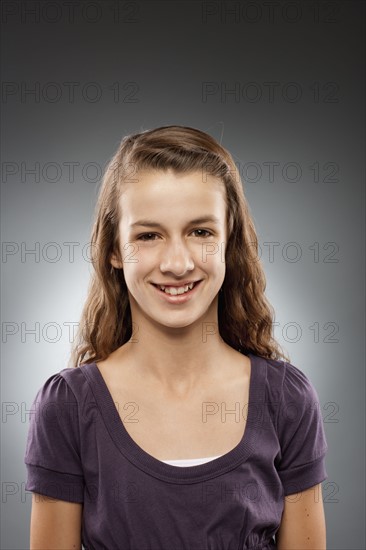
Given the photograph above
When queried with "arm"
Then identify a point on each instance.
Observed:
(303, 521)
(55, 524)
(54, 467)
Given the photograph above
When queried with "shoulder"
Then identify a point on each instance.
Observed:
(289, 392)
(286, 380)
(75, 377)
(55, 436)
(69, 385)
(296, 418)
(59, 409)
(295, 407)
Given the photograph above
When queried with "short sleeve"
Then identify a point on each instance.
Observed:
(301, 462)
(52, 454)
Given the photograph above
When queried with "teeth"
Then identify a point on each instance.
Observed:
(176, 290)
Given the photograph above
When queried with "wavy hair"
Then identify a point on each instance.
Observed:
(245, 316)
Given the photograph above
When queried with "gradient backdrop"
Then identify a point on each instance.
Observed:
(281, 85)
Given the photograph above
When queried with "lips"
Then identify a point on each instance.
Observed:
(177, 299)
(177, 286)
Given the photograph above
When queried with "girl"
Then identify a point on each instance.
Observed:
(180, 428)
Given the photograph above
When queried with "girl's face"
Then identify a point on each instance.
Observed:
(166, 238)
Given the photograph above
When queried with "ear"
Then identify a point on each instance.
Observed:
(115, 261)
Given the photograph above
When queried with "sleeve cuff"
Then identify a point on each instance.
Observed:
(61, 486)
(303, 477)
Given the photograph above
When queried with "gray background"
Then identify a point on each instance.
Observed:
(175, 63)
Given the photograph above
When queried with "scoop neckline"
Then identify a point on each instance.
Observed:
(181, 474)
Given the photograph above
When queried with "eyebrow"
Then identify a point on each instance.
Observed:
(203, 219)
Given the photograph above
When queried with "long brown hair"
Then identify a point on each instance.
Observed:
(245, 316)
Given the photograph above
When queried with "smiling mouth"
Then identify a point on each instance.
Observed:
(178, 294)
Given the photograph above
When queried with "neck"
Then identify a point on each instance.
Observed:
(176, 363)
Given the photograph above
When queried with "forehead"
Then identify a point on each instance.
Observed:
(172, 196)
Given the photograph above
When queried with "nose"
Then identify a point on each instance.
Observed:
(176, 259)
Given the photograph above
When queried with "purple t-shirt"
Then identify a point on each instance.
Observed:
(78, 450)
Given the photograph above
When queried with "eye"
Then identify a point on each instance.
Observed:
(208, 233)
(142, 237)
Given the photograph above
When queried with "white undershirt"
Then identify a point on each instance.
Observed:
(190, 461)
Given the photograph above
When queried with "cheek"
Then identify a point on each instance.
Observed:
(212, 254)
(138, 268)
(215, 262)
